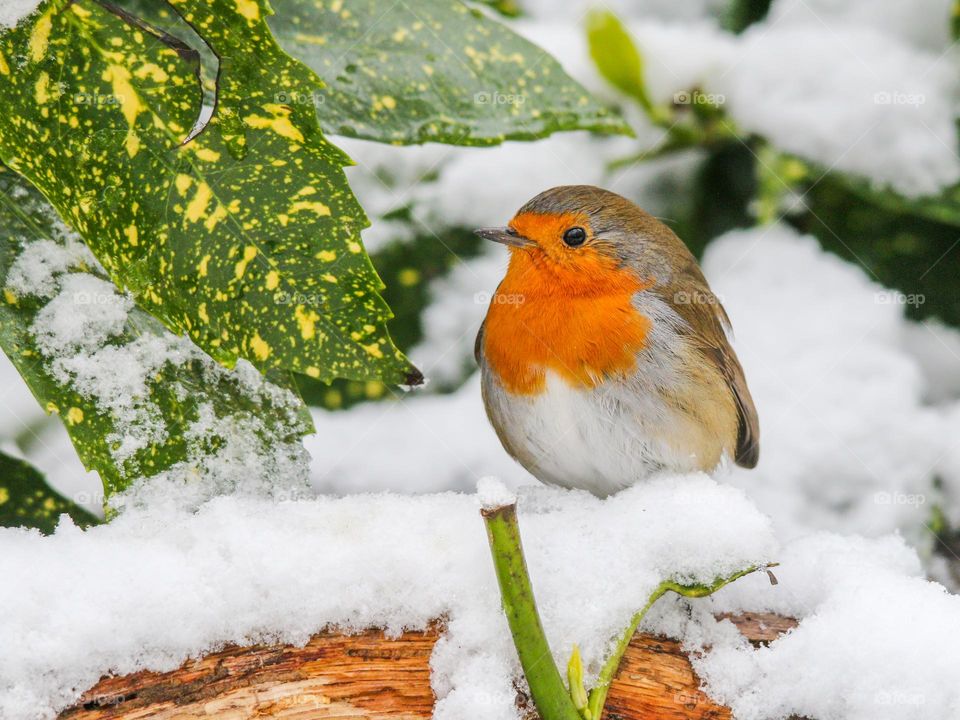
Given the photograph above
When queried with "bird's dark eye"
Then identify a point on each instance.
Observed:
(575, 236)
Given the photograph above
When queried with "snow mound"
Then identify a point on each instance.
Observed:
(875, 641)
(161, 583)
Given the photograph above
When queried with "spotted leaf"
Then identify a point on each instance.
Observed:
(431, 71)
(136, 399)
(246, 236)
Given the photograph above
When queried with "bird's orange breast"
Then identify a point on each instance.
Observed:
(548, 318)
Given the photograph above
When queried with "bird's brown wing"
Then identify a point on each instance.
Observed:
(708, 324)
(478, 343)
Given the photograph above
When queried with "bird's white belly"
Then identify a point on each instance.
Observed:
(598, 439)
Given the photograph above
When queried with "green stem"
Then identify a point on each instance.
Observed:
(547, 689)
(598, 695)
(551, 697)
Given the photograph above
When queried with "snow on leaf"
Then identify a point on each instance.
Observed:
(246, 237)
(136, 399)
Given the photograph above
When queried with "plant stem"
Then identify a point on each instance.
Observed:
(547, 689)
(551, 697)
(598, 695)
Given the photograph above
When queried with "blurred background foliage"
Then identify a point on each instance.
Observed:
(740, 180)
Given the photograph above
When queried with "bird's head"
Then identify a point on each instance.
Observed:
(582, 238)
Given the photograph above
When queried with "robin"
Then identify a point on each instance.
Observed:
(604, 353)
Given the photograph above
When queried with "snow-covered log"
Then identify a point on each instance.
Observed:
(373, 677)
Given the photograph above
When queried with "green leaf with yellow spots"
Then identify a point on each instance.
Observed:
(136, 399)
(246, 237)
(26, 500)
(430, 71)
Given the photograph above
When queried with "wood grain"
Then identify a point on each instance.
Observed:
(372, 677)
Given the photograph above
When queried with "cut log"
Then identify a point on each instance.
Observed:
(371, 677)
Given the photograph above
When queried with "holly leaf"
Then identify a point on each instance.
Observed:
(136, 399)
(430, 71)
(245, 236)
(26, 500)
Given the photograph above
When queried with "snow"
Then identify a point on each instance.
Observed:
(82, 334)
(841, 400)
(876, 639)
(36, 272)
(923, 23)
(13, 11)
(425, 443)
(493, 494)
(161, 583)
(854, 98)
(854, 101)
(82, 317)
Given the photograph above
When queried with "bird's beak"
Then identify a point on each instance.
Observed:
(504, 235)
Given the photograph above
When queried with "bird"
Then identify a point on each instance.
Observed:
(604, 355)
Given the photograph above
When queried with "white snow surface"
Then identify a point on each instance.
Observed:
(160, 584)
(850, 97)
(876, 640)
(854, 101)
(13, 11)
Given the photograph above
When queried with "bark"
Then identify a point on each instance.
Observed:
(372, 677)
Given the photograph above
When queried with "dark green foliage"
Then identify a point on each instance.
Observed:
(741, 14)
(26, 500)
